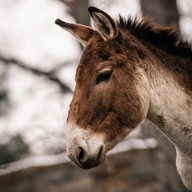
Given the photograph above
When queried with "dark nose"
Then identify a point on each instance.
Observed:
(87, 159)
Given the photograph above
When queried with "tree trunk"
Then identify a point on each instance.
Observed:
(164, 12)
(78, 9)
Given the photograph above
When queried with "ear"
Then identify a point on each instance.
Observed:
(104, 24)
(81, 32)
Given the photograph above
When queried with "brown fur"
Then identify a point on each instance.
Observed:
(118, 100)
(164, 44)
(96, 106)
(129, 71)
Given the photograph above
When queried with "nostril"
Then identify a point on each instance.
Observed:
(87, 160)
(81, 154)
(100, 152)
(99, 156)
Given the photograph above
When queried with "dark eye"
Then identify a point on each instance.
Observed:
(104, 77)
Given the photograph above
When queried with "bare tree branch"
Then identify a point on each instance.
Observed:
(49, 75)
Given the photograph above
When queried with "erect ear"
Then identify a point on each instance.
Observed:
(81, 32)
(104, 24)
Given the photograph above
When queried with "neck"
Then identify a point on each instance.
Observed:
(170, 109)
(165, 87)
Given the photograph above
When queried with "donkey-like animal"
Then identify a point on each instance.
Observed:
(129, 70)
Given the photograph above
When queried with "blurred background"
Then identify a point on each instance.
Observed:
(37, 70)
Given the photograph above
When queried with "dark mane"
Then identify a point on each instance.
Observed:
(165, 38)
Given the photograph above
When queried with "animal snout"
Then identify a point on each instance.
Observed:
(85, 149)
(88, 158)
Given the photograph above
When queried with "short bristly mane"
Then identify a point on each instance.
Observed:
(147, 31)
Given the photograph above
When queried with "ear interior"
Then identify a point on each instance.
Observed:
(104, 24)
(81, 32)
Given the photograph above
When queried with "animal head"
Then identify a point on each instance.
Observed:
(108, 102)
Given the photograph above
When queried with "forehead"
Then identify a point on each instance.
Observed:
(96, 51)
(97, 48)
